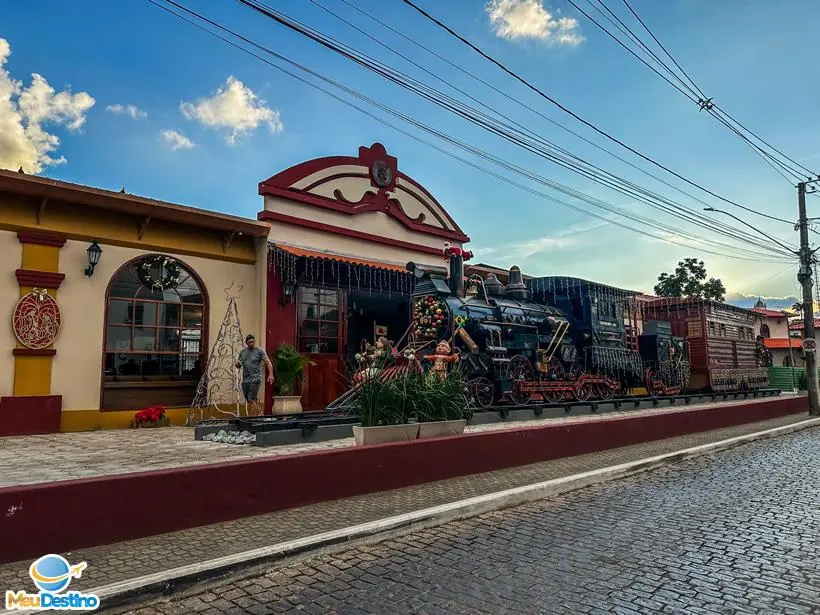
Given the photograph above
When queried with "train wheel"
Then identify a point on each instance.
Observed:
(652, 386)
(552, 397)
(480, 393)
(604, 391)
(555, 370)
(520, 368)
(582, 393)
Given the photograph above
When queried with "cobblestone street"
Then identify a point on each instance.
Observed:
(733, 532)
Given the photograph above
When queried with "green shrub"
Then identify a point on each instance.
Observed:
(288, 365)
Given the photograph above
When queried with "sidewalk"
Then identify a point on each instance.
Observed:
(137, 558)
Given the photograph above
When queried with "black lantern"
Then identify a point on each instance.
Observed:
(94, 252)
(288, 290)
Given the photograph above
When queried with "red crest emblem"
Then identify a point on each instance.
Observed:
(36, 320)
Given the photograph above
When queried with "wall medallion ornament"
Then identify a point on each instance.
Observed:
(160, 272)
(36, 319)
(382, 174)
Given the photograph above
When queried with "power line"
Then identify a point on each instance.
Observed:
(729, 232)
(523, 104)
(541, 93)
(495, 160)
(501, 129)
(705, 103)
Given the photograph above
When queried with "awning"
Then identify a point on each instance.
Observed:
(340, 258)
(777, 343)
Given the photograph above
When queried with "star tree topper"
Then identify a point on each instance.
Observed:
(233, 291)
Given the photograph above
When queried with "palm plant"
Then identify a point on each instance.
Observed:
(289, 366)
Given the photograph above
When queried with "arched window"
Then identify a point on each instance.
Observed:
(155, 334)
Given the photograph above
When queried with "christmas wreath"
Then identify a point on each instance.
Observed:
(168, 267)
(429, 317)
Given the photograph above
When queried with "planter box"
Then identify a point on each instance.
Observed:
(437, 429)
(287, 404)
(385, 433)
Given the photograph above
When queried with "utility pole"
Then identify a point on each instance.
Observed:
(804, 276)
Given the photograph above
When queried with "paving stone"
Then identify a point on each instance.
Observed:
(679, 539)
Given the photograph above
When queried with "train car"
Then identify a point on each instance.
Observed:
(606, 334)
(722, 347)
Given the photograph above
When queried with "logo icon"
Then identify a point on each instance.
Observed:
(52, 574)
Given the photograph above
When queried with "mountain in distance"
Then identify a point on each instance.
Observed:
(772, 303)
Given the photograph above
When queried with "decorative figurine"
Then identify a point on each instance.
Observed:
(441, 358)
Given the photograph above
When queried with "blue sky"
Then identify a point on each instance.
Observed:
(756, 62)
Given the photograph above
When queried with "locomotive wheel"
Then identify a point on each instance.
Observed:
(555, 370)
(480, 393)
(604, 391)
(520, 368)
(519, 397)
(651, 387)
(582, 393)
(553, 397)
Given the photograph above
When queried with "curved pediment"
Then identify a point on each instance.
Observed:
(370, 182)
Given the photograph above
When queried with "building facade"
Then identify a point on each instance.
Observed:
(323, 268)
(87, 346)
(342, 230)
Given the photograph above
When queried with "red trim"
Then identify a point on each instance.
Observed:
(272, 216)
(104, 502)
(42, 239)
(40, 279)
(34, 352)
(369, 202)
(281, 185)
(25, 415)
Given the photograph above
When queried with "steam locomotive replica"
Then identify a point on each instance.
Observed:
(550, 339)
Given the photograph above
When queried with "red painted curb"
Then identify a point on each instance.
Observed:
(65, 515)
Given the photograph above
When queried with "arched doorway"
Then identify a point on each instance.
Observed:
(156, 329)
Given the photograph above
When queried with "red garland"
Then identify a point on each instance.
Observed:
(149, 415)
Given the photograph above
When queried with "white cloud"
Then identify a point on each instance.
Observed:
(176, 140)
(234, 107)
(517, 19)
(24, 111)
(132, 111)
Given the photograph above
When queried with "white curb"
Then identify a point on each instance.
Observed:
(127, 592)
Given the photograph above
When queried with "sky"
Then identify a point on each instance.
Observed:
(125, 95)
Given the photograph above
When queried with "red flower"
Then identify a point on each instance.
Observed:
(150, 415)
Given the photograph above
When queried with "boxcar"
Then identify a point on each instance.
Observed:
(722, 347)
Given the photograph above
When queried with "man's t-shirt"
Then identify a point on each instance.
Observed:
(251, 360)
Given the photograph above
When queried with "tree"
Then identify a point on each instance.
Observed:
(689, 280)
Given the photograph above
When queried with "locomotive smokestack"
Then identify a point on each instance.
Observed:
(456, 281)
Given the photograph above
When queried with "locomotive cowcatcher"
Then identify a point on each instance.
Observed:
(561, 344)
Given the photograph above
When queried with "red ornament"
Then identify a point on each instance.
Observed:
(36, 320)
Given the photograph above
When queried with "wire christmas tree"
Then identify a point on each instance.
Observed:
(220, 384)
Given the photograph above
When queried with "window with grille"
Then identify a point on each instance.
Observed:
(155, 331)
(319, 320)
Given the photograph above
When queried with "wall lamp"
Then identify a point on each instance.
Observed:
(288, 291)
(94, 252)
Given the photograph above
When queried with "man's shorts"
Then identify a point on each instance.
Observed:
(250, 389)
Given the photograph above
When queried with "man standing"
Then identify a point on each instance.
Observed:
(250, 360)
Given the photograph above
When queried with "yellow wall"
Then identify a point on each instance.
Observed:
(10, 251)
(77, 370)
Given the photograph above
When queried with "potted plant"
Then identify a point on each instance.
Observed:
(384, 408)
(441, 406)
(151, 417)
(288, 365)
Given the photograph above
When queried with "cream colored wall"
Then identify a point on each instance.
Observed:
(375, 223)
(77, 367)
(10, 251)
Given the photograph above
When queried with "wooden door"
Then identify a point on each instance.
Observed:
(323, 381)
